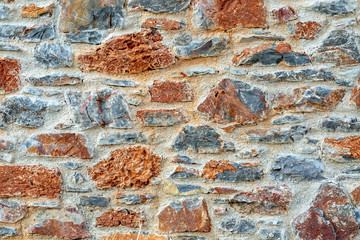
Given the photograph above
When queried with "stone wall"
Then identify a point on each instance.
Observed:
(179, 119)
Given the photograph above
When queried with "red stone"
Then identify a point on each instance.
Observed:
(223, 190)
(134, 236)
(162, 23)
(355, 95)
(219, 211)
(213, 168)
(247, 52)
(9, 75)
(344, 148)
(307, 30)
(171, 91)
(285, 14)
(356, 195)
(12, 212)
(123, 217)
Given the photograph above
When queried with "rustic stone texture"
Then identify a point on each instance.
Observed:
(335, 7)
(238, 225)
(181, 172)
(199, 70)
(129, 53)
(4, 12)
(285, 14)
(209, 47)
(277, 135)
(7, 144)
(133, 199)
(175, 189)
(171, 91)
(121, 138)
(33, 11)
(135, 236)
(355, 95)
(184, 159)
(33, 181)
(123, 217)
(159, 6)
(342, 149)
(162, 117)
(58, 145)
(8, 232)
(9, 78)
(93, 37)
(39, 32)
(345, 124)
(356, 195)
(12, 212)
(55, 80)
(163, 24)
(9, 47)
(130, 167)
(53, 55)
(288, 119)
(307, 30)
(94, 201)
(188, 215)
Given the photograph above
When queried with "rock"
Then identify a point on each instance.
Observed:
(187, 215)
(162, 24)
(53, 55)
(307, 30)
(355, 95)
(284, 14)
(8, 232)
(45, 204)
(129, 53)
(271, 200)
(237, 225)
(6, 157)
(260, 37)
(356, 195)
(171, 91)
(93, 37)
(232, 172)
(182, 189)
(104, 107)
(199, 70)
(345, 124)
(342, 149)
(296, 168)
(121, 138)
(7, 144)
(133, 167)
(119, 83)
(272, 221)
(201, 139)
(135, 236)
(238, 72)
(9, 47)
(132, 199)
(72, 165)
(277, 135)
(79, 15)
(123, 217)
(189, 238)
(33, 91)
(336, 7)
(252, 153)
(183, 173)
(235, 101)
(4, 14)
(55, 80)
(184, 159)
(77, 189)
(272, 233)
(159, 6)
(33, 11)
(288, 119)
(58, 145)
(29, 180)
(162, 117)
(42, 32)
(9, 78)
(62, 126)
(308, 150)
(12, 212)
(182, 38)
(202, 48)
(77, 178)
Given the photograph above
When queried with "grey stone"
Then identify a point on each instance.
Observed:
(8, 232)
(77, 189)
(243, 173)
(201, 21)
(353, 170)
(9, 47)
(253, 38)
(39, 33)
(199, 70)
(53, 55)
(71, 165)
(158, 6)
(47, 204)
(205, 48)
(12, 212)
(296, 59)
(337, 7)
(133, 199)
(187, 189)
(273, 221)
(288, 119)
(53, 92)
(312, 141)
(55, 80)
(121, 138)
(93, 37)
(10, 31)
(94, 201)
(184, 173)
(272, 234)
(119, 83)
(252, 152)
(4, 12)
(238, 72)
(162, 118)
(78, 178)
(280, 135)
(182, 39)
(184, 159)
(345, 124)
(6, 157)
(292, 167)
(238, 225)
(32, 91)
(189, 238)
(308, 150)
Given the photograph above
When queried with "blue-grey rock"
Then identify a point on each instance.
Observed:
(273, 221)
(345, 124)
(51, 93)
(337, 7)
(201, 21)
(308, 150)
(184, 159)
(288, 119)
(158, 6)
(77, 189)
(312, 141)
(4, 12)
(121, 138)
(205, 48)
(238, 225)
(39, 33)
(8, 232)
(353, 170)
(182, 39)
(278, 135)
(272, 233)
(55, 80)
(244, 173)
(133, 199)
(53, 55)
(296, 168)
(119, 83)
(93, 201)
(78, 178)
(93, 37)
(199, 70)
(238, 72)
(177, 189)
(189, 238)
(11, 211)
(71, 165)
(32, 91)
(296, 59)
(9, 47)
(46, 204)
(344, 82)
(184, 173)
(253, 38)
(10, 31)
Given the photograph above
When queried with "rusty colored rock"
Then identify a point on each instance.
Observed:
(355, 95)
(171, 91)
(33, 181)
(307, 30)
(33, 11)
(134, 236)
(12, 212)
(9, 75)
(162, 23)
(356, 195)
(223, 190)
(129, 53)
(123, 217)
(213, 168)
(181, 172)
(58, 145)
(342, 149)
(7, 144)
(285, 14)
(162, 117)
(126, 168)
(189, 215)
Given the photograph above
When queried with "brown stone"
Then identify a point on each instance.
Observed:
(9, 75)
(59, 145)
(134, 236)
(129, 53)
(33, 11)
(356, 195)
(126, 168)
(213, 168)
(247, 52)
(337, 57)
(189, 215)
(285, 14)
(223, 190)
(355, 95)
(307, 30)
(12, 212)
(162, 117)
(33, 181)
(171, 91)
(162, 23)
(181, 172)
(342, 149)
(123, 217)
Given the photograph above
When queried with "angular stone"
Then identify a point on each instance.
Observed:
(271, 200)
(53, 55)
(33, 91)
(272, 233)
(355, 95)
(39, 32)
(188, 215)
(4, 12)
(342, 149)
(296, 168)
(201, 139)
(10, 31)
(202, 48)
(9, 78)
(344, 123)
(55, 80)
(356, 195)
(93, 37)
(163, 24)
(45, 204)
(288, 119)
(12, 212)
(93, 201)
(129, 53)
(135, 236)
(159, 6)
(235, 101)
(77, 189)
(182, 38)
(79, 15)
(223, 190)
(335, 7)
(58, 145)
(184, 160)
(183, 189)
(123, 217)
(277, 135)
(33, 181)
(307, 30)
(121, 138)
(119, 83)
(104, 107)
(199, 70)
(7, 144)
(183, 173)
(33, 11)
(284, 14)
(72, 165)
(171, 91)
(8, 232)
(9, 47)
(132, 199)
(237, 225)
(133, 167)
(162, 117)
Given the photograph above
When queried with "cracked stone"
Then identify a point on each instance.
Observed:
(93, 37)
(33, 11)
(53, 55)
(120, 217)
(237, 225)
(162, 117)
(9, 79)
(163, 24)
(171, 91)
(277, 135)
(160, 6)
(55, 80)
(344, 149)
(12, 212)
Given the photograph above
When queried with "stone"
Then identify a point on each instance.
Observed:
(4, 12)
(77, 178)
(133, 199)
(7, 144)
(272, 233)
(33, 91)
(103, 107)
(159, 6)
(162, 24)
(182, 38)
(129, 53)
(66, 223)
(355, 194)
(6, 157)
(182, 237)
(10, 31)
(133, 167)
(270, 200)
(93, 37)
(58, 145)
(201, 139)
(9, 78)
(9, 47)
(309, 99)
(252, 153)
(171, 91)
(187, 215)
(121, 138)
(183, 189)
(297, 168)
(346, 124)
(235, 101)
(277, 135)
(288, 119)
(77, 189)
(307, 30)
(183, 173)
(232, 172)
(237, 225)
(71, 165)
(79, 15)
(55, 80)
(45, 204)
(184, 160)
(39, 32)
(209, 47)
(199, 70)
(335, 7)
(238, 72)
(342, 149)
(284, 14)
(135, 236)
(222, 190)
(119, 83)
(33, 11)
(29, 180)
(8, 232)
(120, 217)
(53, 55)
(260, 37)
(271, 221)
(162, 117)
(355, 95)
(12, 212)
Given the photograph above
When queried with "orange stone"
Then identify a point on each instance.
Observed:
(307, 30)
(123, 217)
(134, 236)
(355, 95)
(33, 11)
(162, 23)
(9, 75)
(171, 91)
(356, 195)
(343, 149)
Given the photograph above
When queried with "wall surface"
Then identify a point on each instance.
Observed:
(179, 119)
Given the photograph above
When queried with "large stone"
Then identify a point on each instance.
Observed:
(277, 135)
(307, 30)
(209, 47)
(162, 117)
(235, 101)
(55, 80)
(163, 24)
(32, 181)
(53, 55)
(36, 33)
(33, 11)
(93, 37)
(238, 225)
(159, 6)
(123, 217)
(129, 53)
(9, 78)
(171, 91)
(346, 124)
(335, 7)
(134, 236)
(188, 215)
(284, 14)
(342, 149)
(12, 212)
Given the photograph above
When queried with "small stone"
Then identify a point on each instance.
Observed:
(78, 178)
(32, 91)
(252, 153)
(182, 189)
(163, 24)
(135, 236)
(272, 221)
(288, 119)
(238, 72)
(307, 30)
(9, 78)
(162, 117)
(355, 95)
(72, 165)
(10, 31)
(55, 80)
(336, 7)
(121, 138)
(345, 124)
(342, 149)
(182, 39)
(133, 199)
(285, 14)
(8, 232)
(123, 217)
(277, 135)
(237, 225)
(159, 6)
(46, 204)
(272, 233)
(4, 12)
(189, 238)
(252, 38)
(203, 48)
(6, 157)
(308, 150)
(171, 91)
(312, 141)
(119, 83)
(184, 160)
(222, 190)
(184, 173)
(199, 70)
(12, 212)
(53, 55)
(7, 144)
(33, 11)
(356, 195)
(93, 37)
(93, 201)
(77, 189)
(9, 47)
(220, 211)
(40, 32)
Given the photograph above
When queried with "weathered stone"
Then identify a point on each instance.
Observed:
(270, 200)
(238, 72)
(202, 48)
(343, 149)
(288, 119)
(296, 168)
(33, 181)
(345, 124)
(356, 195)
(222, 190)
(163, 24)
(6, 157)
(119, 83)
(8, 232)
(77, 178)
(104, 107)
(32, 91)
(272, 221)
(189, 238)
(79, 15)
(199, 70)
(182, 38)
(58, 145)
(72, 165)
(93, 37)
(134, 236)
(337, 57)
(307, 99)
(7, 144)
(39, 32)
(4, 12)
(188, 215)
(252, 152)
(158, 6)
(260, 37)
(307, 30)
(126, 168)
(183, 173)
(285, 14)
(201, 139)
(9, 78)
(238, 225)
(77, 189)
(184, 159)
(171, 91)
(55, 80)
(335, 7)
(10, 31)
(132, 199)
(182, 189)
(272, 234)
(123, 217)
(121, 138)
(277, 135)
(162, 117)
(129, 53)
(9, 47)
(53, 55)
(235, 101)
(45, 204)
(12, 212)
(355, 95)
(33, 11)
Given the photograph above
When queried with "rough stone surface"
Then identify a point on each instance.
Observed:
(159, 6)
(355, 95)
(9, 79)
(12, 212)
(182, 173)
(4, 12)
(53, 55)
(55, 80)
(335, 7)
(341, 149)
(288, 119)
(121, 138)
(285, 14)
(8, 232)
(163, 24)
(345, 124)
(171, 91)
(279, 135)
(135, 236)
(93, 37)
(307, 30)
(202, 48)
(33, 11)
(133, 199)
(123, 217)
(94, 201)
(162, 117)
(238, 225)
